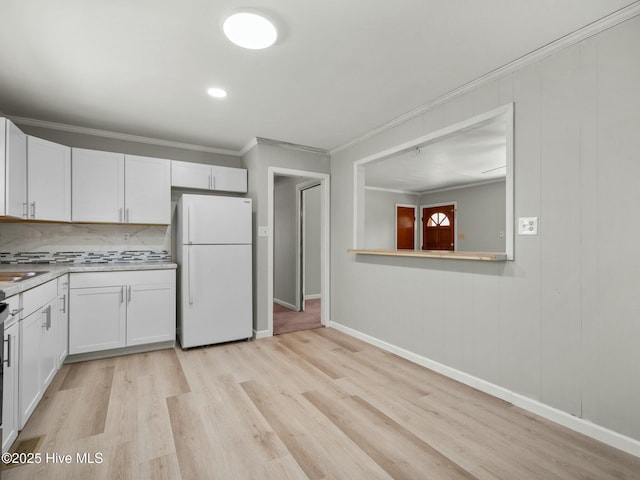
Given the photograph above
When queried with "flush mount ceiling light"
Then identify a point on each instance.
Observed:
(250, 30)
(217, 92)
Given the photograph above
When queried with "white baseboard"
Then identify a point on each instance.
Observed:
(261, 334)
(285, 304)
(314, 296)
(585, 427)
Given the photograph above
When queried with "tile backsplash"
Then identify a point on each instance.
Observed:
(127, 256)
(83, 238)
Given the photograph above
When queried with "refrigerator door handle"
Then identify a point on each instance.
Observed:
(189, 268)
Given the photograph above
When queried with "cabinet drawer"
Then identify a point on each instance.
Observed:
(108, 279)
(37, 297)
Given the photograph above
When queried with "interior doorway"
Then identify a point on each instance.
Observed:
(438, 227)
(310, 187)
(406, 218)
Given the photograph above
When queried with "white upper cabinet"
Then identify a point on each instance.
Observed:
(147, 190)
(13, 148)
(97, 185)
(48, 180)
(117, 188)
(208, 177)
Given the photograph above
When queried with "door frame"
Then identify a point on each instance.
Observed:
(455, 221)
(300, 245)
(325, 226)
(416, 211)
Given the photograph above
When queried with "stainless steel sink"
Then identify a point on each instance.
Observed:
(18, 276)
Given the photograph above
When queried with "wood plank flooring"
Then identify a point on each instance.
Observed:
(316, 404)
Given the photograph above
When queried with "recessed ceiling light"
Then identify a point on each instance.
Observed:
(250, 30)
(217, 92)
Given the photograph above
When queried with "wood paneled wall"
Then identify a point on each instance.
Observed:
(561, 323)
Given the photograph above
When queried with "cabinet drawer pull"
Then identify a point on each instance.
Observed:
(15, 312)
(25, 210)
(33, 209)
(7, 361)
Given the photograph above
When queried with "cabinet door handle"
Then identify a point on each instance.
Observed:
(33, 209)
(16, 311)
(120, 215)
(129, 295)
(48, 317)
(7, 361)
(213, 182)
(122, 294)
(127, 218)
(25, 210)
(63, 307)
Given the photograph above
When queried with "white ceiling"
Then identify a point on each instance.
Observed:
(474, 155)
(339, 69)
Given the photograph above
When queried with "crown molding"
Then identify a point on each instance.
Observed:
(291, 146)
(583, 33)
(120, 136)
(250, 144)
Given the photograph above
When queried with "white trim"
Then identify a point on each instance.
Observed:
(583, 33)
(415, 225)
(585, 427)
(261, 334)
(121, 136)
(455, 221)
(325, 216)
(314, 296)
(285, 304)
(359, 173)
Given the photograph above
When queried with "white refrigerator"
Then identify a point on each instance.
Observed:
(214, 255)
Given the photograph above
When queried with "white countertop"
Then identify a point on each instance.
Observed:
(8, 289)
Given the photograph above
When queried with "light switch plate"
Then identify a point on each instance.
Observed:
(263, 231)
(528, 226)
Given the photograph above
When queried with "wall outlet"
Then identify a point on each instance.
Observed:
(263, 231)
(528, 226)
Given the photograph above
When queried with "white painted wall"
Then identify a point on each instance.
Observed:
(559, 324)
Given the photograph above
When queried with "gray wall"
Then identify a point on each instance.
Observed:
(380, 217)
(257, 161)
(284, 236)
(480, 215)
(312, 198)
(560, 323)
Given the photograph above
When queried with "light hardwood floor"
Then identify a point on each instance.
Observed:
(315, 404)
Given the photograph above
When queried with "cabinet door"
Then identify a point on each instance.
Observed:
(190, 175)
(147, 190)
(97, 319)
(229, 179)
(48, 345)
(16, 172)
(151, 313)
(10, 387)
(29, 366)
(97, 186)
(48, 180)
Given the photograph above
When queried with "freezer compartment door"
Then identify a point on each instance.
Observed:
(216, 299)
(215, 220)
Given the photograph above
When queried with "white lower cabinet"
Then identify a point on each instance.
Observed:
(10, 405)
(119, 309)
